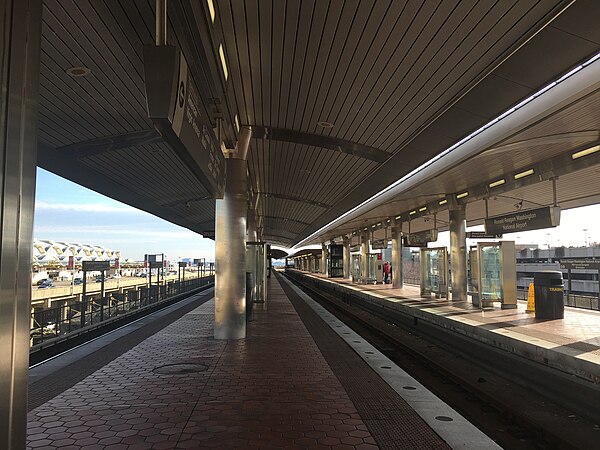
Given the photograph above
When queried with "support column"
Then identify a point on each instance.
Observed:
(346, 244)
(324, 268)
(397, 281)
(230, 254)
(265, 272)
(458, 251)
(251, 236)
(21, 24)
(364, 253)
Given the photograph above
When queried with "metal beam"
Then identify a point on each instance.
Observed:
(294, 199)
(322, 141)
(110, 143)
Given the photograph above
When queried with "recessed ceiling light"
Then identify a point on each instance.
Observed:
(523, 174)
(78, 71)
(462, 195)
(424, 208)
(325, 124)
(586, 152)
(443, 202)
(497, 183)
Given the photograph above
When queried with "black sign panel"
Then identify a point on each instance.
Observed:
(89, 266)
(482, 235)
(579, 264)
(180, 115)
(355, 248)
(156, 264)
(379, 244)
(183, 264)
(534, 219)
(421, 239)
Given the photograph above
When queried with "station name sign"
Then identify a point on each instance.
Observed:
(355, 248)
(421, 239)
(156, 264)
(482, 235)
(534, 219)
(180, 115)
(380, 244)
(89, 266)
(580, 264)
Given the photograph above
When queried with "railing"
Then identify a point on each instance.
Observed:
(59, 321)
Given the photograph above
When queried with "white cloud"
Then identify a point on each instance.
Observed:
(85, 207)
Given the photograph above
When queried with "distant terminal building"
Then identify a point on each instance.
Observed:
(56, 253)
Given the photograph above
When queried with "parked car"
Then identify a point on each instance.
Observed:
(77, 281)
(99, 279)
(42, 281)
(45, 284)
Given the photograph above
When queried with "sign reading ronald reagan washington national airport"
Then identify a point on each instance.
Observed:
(534, 219)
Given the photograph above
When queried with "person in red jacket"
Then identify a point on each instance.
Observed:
(386, 272)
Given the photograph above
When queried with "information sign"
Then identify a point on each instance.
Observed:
(181, 116)
(355, 248)
(89, 266)
(580, 264)
(482, 235)
(183, 264)
(71, 263)
(156, 264)
(422, 238)
(379, 244)
(534, 219)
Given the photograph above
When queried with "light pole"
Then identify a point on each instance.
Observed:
(585, 237)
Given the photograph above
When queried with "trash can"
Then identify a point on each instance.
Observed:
(249, 302)
(549, 294)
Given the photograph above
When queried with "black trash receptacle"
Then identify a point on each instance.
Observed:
(549, 294)
(249, 303)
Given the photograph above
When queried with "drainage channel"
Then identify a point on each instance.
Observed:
(511, 415)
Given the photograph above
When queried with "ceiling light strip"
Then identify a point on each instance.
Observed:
(457, 144)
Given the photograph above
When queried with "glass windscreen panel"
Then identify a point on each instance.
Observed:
(490, 266)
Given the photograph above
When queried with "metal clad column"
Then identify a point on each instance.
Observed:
(19, 75)
(324, 268)
(397, 281)
(265, 272)
(251, 251)
(364, 253)
(230, 254)
(458, 251)
(346, 244)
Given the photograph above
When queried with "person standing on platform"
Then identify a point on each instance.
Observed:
(386, 272)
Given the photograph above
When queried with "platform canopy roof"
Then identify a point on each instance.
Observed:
(344, 98)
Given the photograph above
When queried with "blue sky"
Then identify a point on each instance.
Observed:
(65, 211)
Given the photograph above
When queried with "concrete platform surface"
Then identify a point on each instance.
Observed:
(278, 388)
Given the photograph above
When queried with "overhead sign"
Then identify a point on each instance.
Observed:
(482, 235)
(379, 244)
(580, 264)
(181, 116)
(156, 264)
(355, 248)
(89, 266)
(534, 219)
(421, 239)
(71, 263)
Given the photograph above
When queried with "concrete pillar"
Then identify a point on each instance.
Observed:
(230, 254)
(346, 244)
(324, 268)
(458, 251)
(19, 79)
(397, 281)
(365, 243)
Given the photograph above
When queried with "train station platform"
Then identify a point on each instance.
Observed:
(570, 345)
(301, 379)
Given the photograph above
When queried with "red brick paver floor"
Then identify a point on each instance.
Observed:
(273, 389)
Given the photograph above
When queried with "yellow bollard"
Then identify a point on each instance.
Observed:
(530, 298)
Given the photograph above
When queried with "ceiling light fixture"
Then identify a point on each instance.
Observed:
(211, 10)
(523, 174)
(443, 202)
(413, 212)
(497, 183)
(78, 71)
(587, 151)
(398, 217)
(223, 62)
(237, 123)
(462, 195)
(325, 124)
(424, 208)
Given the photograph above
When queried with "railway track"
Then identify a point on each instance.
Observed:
(488, 394)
